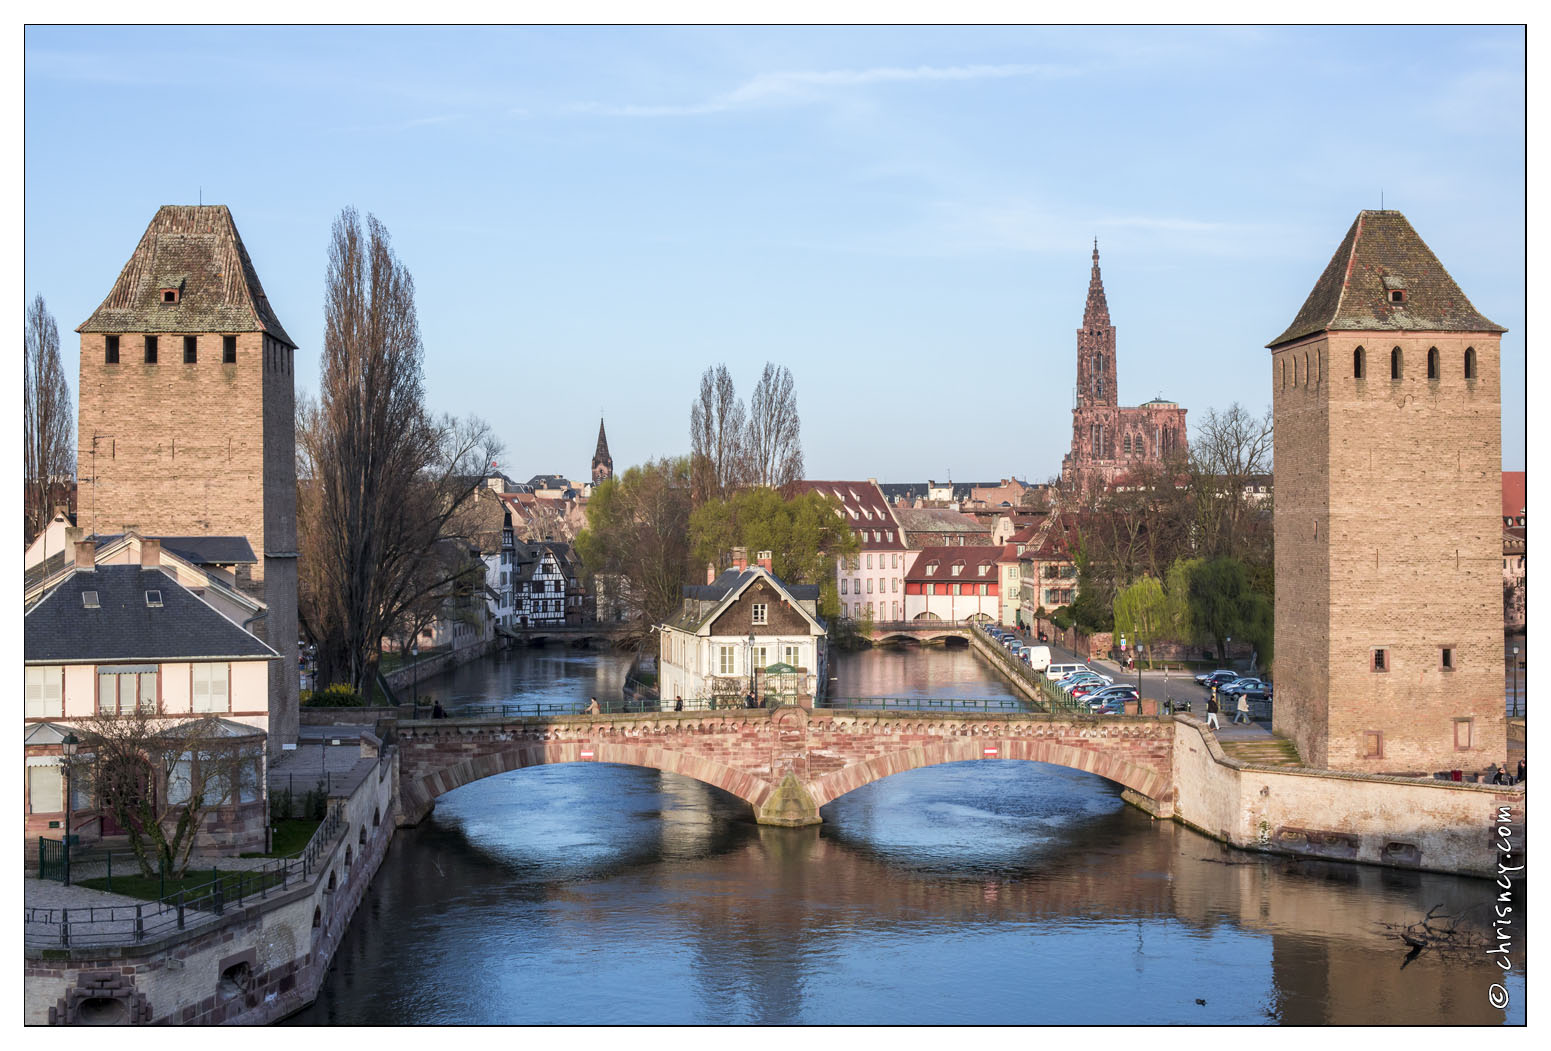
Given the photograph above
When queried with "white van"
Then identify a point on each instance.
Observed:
(1056, 672)
(1038, 657)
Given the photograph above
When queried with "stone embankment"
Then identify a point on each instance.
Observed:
(255, 962)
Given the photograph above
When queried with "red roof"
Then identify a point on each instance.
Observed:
(968, 558)
(866, 512)
(1513, 494)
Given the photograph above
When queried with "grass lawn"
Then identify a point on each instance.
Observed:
(151, 888)
(291, 835)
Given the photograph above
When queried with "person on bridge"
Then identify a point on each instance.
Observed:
(678, 703)
(1520, 777)
(592, 707)
(437, 711)
(1242, 714)
(1211, 711)
(748, 699)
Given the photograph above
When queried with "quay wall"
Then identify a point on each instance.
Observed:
(1379, 819)
(286, 941)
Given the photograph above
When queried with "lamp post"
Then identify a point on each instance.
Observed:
(749, 659)
(1516, 684)
(68, 747)
(414, 672)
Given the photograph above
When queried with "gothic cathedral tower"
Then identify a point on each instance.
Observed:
(1387, 411)
(602, 463)
(187, 416)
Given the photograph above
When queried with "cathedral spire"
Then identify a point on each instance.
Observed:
(1096, 312)
(602, 462)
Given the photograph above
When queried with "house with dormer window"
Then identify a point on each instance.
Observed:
(955, 584)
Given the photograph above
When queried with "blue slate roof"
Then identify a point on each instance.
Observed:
(59, 628)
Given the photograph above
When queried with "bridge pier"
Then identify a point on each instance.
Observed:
(1162, 809)
(791, 805)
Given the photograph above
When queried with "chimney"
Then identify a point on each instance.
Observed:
(710, 572)
(73, 535)
(764, 561)
(86, 555)
(150, 553)
(740, 558)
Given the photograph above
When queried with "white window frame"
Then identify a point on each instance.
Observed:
(725, 661)
(45, 692)
(211, 680)
(761, 613)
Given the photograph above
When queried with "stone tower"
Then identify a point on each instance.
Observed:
(602, 463)
(187, 415)
(1109, 440)
(1386, 399)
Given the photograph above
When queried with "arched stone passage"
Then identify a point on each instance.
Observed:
(419, 795)
(785, 762)
(1140, 779)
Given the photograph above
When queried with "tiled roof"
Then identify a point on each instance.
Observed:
(125, 628)
(196, 250)
(200, 550)
(1513, 494)
(1381, 253)
(946, 557)
(702, 602)
(866, 511)
(936, 520)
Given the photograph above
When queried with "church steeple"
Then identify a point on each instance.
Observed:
(602, 462)
(1096, 313)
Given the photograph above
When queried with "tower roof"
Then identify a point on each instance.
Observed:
(196, 251)
(1095, 313)
(601, 454)
(1380, 255)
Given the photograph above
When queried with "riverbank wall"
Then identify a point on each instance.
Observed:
(404, 677)
(253, 964)
(1377, 819)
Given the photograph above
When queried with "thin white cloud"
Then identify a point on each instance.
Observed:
(774, 89)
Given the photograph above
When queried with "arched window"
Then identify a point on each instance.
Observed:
(1295, 370)
(1308, 377)
(1394, 364)
(1358, 363)
(1284, 373)
(1319, 367)
(1432, 363)
(1125, 444)
(1470, 363)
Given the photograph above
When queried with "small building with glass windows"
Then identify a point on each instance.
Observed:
(141, 634)
(744, 632)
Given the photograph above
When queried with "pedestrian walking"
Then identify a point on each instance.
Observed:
(1521, 771)
(748, 699)
(1211, 711)
(437, 711)
(592, 707)
(678, 703)
(1242, 714)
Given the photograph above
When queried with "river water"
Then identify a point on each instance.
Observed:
(1009, 892)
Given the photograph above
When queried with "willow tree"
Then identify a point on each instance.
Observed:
(1141, 613)
(380, 480)
(48, 420)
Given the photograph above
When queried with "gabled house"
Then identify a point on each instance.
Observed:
(955, 584)
(745, 632)
(869, 582)
(150, 635)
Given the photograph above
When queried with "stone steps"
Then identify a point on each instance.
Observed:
(1266, 751)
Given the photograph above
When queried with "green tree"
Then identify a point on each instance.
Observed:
(802, 533)
(1180, 627)
(1092, 611)
(1141, 612)
(1224, 606)
(638, 529)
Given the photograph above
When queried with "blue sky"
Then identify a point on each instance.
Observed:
(903, 217)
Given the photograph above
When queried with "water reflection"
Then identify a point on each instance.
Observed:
(978, 892)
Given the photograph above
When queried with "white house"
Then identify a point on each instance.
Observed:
(744, 632)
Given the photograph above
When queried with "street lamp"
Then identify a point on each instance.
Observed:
(1140, 650)
(414, 674)
(749, 660)
(1516, 681)
(68, 746)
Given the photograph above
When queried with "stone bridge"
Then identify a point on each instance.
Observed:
(918, 630)
(785, 763)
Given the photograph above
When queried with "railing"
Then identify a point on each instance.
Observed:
(928, 704)
(919, 625)
(1052, 697)
(191, 906)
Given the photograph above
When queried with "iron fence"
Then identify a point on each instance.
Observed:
(64, 927)
(928, 704)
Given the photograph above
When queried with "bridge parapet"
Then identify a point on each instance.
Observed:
(787, 762)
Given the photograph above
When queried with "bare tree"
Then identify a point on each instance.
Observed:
(160, 777)
(48, 420)
(774, 437)
(716, 435)
(638, 531)
(1231, 452)
(380, 480)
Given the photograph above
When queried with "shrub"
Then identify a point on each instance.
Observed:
(336, 695)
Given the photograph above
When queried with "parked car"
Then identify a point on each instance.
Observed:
(1056, 672)
(1218, 678)
(1112, 706)
(1072, 682)
(1124, 691)
(1256, 689)
(1038, 657)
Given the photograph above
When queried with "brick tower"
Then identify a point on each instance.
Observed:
(1386, 399)
(187, 415)
(602, 462)
(1108, 440)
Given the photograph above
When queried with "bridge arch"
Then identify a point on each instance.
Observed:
(418, 794)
